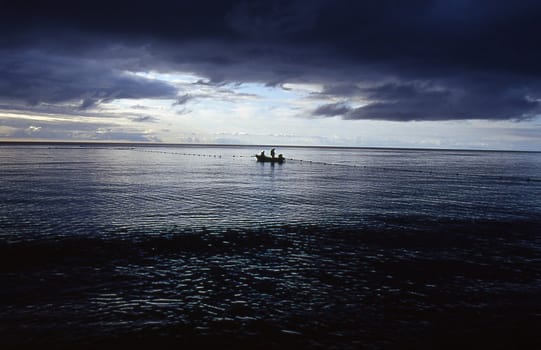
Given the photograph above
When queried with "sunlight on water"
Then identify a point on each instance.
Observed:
(78, 188)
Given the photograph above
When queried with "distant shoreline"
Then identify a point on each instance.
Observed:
(165, 145)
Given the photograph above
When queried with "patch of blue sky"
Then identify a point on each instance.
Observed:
(285, 92)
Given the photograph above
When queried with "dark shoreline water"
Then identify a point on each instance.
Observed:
(308, 287)
(114, 247)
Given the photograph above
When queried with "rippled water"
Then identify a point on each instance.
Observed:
(345, 248)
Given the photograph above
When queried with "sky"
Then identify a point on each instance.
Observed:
(424, 74)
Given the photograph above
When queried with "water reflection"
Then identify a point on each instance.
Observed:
(157, 248)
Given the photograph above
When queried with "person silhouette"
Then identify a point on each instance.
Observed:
(272, 153)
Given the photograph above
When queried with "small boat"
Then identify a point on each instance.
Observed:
(264, 159)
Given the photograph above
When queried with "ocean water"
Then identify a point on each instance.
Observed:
(191, 246)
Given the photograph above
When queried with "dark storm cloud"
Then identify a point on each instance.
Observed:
(406, 102)
(32, 78)
(408, 60)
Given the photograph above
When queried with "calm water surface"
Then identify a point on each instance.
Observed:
(335, 248)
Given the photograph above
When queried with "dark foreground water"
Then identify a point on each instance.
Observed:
(104, 246)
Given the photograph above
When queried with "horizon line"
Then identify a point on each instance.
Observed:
(169, 144)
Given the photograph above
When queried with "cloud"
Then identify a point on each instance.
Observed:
(183, 99)
(408, 102)
(214, 92)
(415, 60)
(144, 119)
(268, 19)
(33, 129)
(341, 89)
(332, 109)
(32, 78)
(68, 130)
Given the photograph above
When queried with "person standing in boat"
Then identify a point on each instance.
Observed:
(272, 153)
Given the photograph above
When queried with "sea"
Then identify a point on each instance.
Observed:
(193, 246)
